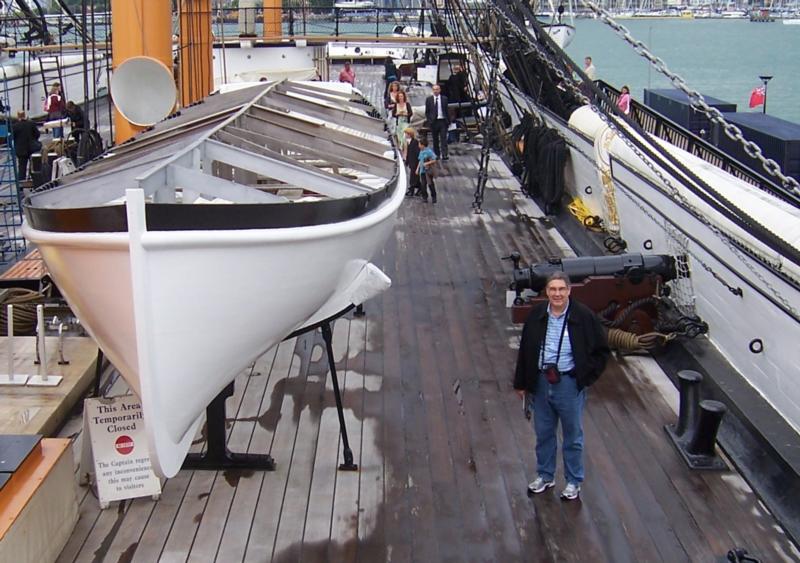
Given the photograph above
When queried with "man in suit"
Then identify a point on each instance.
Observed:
(438, 120)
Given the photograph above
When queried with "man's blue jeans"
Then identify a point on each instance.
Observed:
(552, 403)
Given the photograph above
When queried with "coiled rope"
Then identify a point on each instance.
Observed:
(24, 301)
(630, 342)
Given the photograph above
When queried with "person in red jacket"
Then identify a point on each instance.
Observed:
(55, 106)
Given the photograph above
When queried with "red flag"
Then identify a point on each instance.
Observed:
(757, 96)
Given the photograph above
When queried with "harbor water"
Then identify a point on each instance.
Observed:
(719, 58)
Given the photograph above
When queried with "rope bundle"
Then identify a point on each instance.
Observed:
(630, 342)
(24, 301)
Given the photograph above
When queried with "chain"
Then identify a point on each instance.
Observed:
(697, 100)
(673, 191)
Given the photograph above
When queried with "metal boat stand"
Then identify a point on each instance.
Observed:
(348, 464)
(217, 455)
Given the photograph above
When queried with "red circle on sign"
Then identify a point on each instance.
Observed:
(124, 445)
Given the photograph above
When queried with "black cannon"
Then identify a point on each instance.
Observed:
(634, 267)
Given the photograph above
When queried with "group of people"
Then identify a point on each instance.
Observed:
(420, 158)
(25, 133)
(624, 100)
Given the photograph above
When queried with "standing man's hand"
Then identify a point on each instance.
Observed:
(520, 393)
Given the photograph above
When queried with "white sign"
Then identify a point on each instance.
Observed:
(119, 453)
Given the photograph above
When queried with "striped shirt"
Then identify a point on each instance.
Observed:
(549, 351)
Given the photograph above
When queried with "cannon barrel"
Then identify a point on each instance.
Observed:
(578, 269)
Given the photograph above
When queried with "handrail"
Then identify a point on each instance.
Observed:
(667, 130)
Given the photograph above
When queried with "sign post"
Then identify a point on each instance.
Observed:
(114, 446)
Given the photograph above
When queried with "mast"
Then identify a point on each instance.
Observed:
(139, 31)
(196, 72)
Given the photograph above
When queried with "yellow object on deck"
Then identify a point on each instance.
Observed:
(196, 73)
(582, 213)
(139, 31)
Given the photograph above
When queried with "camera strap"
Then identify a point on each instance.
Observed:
(560, 338)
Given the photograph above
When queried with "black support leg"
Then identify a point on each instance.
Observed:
(348, 464)
(217, 456)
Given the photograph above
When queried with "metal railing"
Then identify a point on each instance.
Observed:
(667, 130)
(330, 20)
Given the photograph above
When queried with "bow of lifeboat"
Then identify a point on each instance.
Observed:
(194, 248)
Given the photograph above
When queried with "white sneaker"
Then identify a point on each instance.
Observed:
(540, 486)
(571, 491)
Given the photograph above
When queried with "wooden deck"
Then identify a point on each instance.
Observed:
(30, 266)
(443, 449)
(42, 410)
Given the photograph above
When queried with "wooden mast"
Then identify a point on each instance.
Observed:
(196, 72)
(139, 31)
(272, 19)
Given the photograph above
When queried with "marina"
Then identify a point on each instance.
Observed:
(291, 356)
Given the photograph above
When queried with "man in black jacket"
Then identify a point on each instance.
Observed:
(26, 142)
(563, 351)
(77, 120)
(438, 120)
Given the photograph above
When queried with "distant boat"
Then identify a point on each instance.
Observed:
(354, 4)
(791, 21)
(733, 14)
(560, 23)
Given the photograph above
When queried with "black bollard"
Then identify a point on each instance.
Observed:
(705, 434)
(689, 389)
(695, 435)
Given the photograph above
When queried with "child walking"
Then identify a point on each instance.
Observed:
(426, 170)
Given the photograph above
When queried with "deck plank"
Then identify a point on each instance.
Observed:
(419, 486)
(344, 518)
(308, 392)
(88, 513)
(447, 502)
(371, 537)
(465, 411)
(247, 483)
(126, 541)
(190, 515)
(161, 519)
(397, 527)
(317, 526)
(281, 410)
